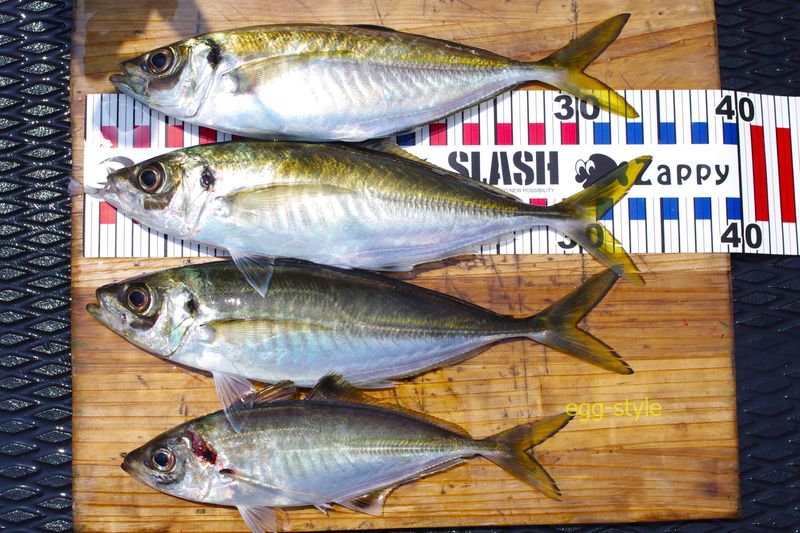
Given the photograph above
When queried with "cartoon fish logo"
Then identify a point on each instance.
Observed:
(590, 171)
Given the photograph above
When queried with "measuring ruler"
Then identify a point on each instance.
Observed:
(723, 177)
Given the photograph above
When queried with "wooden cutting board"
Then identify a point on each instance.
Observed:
(657, 445)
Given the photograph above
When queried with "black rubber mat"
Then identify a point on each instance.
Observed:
(35, 385)
(759, 44)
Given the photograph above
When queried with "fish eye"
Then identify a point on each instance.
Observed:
(163, 459)
(160, 61)
(137, 298)
(150, 178)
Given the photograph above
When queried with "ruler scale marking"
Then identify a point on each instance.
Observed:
(724, 178)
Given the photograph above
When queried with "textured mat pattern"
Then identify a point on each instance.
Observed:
(759, 43)
(35, 434)
(758, 52)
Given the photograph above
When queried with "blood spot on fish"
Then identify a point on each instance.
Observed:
(208, 179)
(201, 448)
(214, 54)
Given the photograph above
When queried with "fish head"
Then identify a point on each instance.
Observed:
(153, 312)
(168, 193)
(173, 79)
(173, 463)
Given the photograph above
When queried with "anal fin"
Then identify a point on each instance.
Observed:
(236, 394)
(259, 519)
(371, 504)
(256, 269)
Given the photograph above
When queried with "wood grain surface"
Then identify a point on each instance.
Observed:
(677, 461)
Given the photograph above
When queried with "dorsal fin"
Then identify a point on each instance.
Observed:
(335, 388)
(283, 390)
(375, 27)
(387, 145)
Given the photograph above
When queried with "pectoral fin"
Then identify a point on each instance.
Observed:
(224, 336)
(259, 519)
(248, 76)
(259, 204)
(268, 489)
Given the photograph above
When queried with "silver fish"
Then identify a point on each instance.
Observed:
(347, 83)
(318, 320)
(374, 207)
(337, 446)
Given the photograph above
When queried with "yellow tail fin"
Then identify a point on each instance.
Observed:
(577, 217)
(568, 63)
(557, 326)
(513, 455)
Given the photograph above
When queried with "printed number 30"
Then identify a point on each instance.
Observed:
(594, 234)
(589, 109)
(752, 235)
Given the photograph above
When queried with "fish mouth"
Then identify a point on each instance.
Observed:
(135, 473)
(108, 317)
(111, 194)
(99, 313)
(127, 84)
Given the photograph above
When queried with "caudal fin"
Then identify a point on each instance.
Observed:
(577, 217)
(569, 62)
(557, 326)
(512, 451)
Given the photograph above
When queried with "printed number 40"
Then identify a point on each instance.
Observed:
(752, 235)
(726, 108)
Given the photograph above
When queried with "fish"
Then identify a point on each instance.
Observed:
(372, 206)
(337, 446)
(316, 320)
(345, 83)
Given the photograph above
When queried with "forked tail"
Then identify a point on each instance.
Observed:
(557, 326)
(565, 67)
(512, 451)
(577, 217)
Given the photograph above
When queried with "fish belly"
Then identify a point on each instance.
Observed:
(370, 355)
(350, 100)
